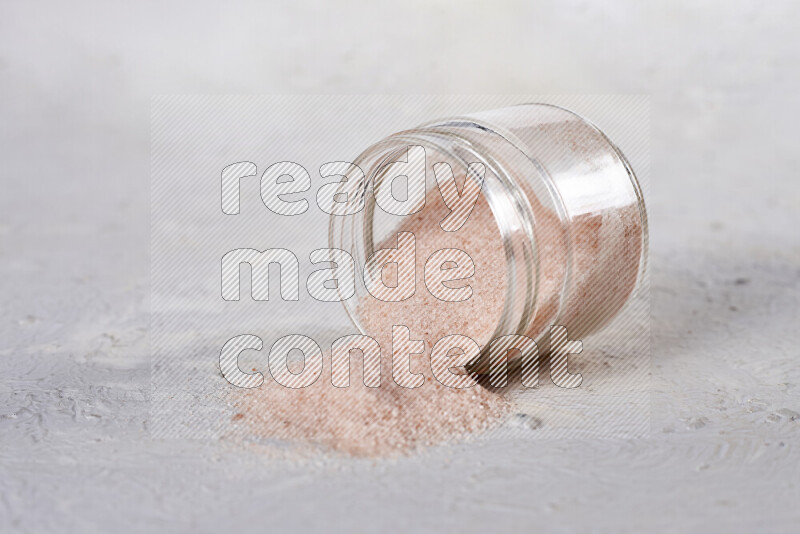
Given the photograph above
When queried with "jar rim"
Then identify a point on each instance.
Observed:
(510, 210)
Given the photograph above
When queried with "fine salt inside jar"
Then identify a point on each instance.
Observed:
(557, 235)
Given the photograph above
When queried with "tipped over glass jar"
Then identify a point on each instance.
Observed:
(556, 234)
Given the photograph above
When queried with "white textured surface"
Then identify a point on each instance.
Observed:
(74, 372)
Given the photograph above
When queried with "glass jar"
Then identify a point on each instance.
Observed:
(558, 235)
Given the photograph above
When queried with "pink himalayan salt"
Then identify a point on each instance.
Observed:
(392, 419)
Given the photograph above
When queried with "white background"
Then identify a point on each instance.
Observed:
(75, 85)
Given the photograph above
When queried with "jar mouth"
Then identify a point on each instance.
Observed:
(510, 209)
